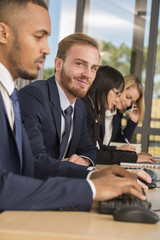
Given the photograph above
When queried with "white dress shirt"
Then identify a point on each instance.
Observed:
(108, 126)
(6, 88)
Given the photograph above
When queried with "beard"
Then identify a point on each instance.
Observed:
(74, 91)
(26, 75)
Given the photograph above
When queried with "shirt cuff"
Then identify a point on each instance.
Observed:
(92, 186)
(82, 156)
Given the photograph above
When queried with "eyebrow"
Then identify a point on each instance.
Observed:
(79, 59)
(44, 32)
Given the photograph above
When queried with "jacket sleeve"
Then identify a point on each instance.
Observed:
(85, 147)
(123, 132)
(113, 156)
(25, 193)
(129, 129)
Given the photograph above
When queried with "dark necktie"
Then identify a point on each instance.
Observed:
(17, 123)
(67, 115)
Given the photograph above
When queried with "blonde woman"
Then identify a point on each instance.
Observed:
(131, 103)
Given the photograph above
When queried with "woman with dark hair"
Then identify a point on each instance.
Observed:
(105, 90)
(100, 103)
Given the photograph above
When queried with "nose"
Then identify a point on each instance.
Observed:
(117, 99)
(86, 73)
(45, 49)
(129, 102)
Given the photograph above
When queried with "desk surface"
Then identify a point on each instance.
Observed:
(20, 225)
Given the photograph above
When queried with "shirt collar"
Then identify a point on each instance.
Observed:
(6, 79)
(63, 98)
(108, 113)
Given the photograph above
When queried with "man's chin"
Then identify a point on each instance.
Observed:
(27, 76)
(81, 94)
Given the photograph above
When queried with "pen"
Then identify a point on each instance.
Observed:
(126, 140)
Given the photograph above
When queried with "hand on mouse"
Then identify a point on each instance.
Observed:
(143, 175)
(115, 170)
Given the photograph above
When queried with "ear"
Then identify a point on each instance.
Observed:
(58, 62)
(3, 33)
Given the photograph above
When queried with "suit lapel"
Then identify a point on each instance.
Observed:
(3, 106)
(11, 135)
(5, 113)
(55, 104)
(114, 125)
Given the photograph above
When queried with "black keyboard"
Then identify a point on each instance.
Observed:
(109, 206)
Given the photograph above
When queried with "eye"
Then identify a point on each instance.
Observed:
(38, 37)
(94, 69)
(79, 64)
(128, 97)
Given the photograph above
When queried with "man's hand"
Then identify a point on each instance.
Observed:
(141, 174)
(114, 170)
(110, 186)
(145, 157)
(77, 160)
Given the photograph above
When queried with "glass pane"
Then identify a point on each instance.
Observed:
(154, 145)
(108, 23)
(155, 113)
(136, 138)
(63, 18)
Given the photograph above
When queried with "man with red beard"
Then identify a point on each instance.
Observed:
(43, 104)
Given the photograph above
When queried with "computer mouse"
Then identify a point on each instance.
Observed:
(149, 185)
(135, 214)
(151, 173)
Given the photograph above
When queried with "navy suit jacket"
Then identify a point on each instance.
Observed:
(41, 115)
(118, 133)
(34, 188)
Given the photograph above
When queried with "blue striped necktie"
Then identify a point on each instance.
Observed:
(68, 120)
(17, 123)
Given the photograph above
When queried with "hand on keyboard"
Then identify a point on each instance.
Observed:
(109, 206)
(113, 181)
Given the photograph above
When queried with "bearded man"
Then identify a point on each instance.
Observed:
(43, 104)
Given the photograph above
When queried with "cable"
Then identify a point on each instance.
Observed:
(156, 210)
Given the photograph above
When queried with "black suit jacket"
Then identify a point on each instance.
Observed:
(117, 133)
(105, 154)
(34, 188)
(41, 115)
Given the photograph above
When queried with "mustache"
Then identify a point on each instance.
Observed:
(42, 58)
(84, 79)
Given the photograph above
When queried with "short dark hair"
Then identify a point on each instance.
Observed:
(106, 79)
(75, 38)
(11, 8)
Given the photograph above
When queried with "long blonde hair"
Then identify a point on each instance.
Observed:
(133, 81)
